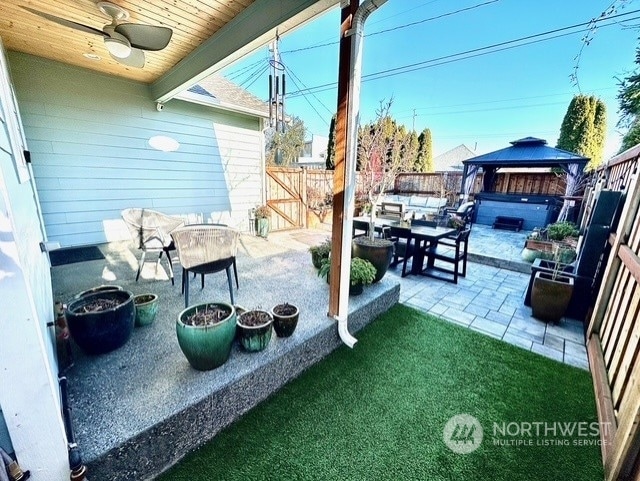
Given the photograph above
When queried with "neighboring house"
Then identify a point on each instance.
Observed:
(451, 160)
(314, 153)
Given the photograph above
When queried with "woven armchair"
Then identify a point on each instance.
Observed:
(205, 249)
(151, 231)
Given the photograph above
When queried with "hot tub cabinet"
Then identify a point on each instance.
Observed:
(534, 210)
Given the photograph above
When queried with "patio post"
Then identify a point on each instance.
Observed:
(353, 17)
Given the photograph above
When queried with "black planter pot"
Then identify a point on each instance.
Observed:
(102, 331)
(356, 290)
(284, 325)
(379, 252)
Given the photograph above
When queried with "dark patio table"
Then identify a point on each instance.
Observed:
(421, 233)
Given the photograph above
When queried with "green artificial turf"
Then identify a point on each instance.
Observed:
(378, 411)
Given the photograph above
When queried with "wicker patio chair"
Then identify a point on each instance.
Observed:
(151, 231)
(205, 249)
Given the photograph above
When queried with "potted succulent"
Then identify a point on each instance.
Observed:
(285, 319)
(254, 329)
(383, 152)
(320, 252)
(102, 321)
(361, 273)
(262, 215)
(146, 309)
(205, 334)
(552, 289)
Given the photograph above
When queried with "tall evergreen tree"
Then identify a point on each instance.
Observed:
(412, 145)
(424, 160)
(631, 138)
(583, 129)
(330, 161)
(629, 98)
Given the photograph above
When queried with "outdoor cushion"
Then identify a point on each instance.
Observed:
(435, 202)
(418, 201)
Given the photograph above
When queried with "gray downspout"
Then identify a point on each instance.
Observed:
(353, 117)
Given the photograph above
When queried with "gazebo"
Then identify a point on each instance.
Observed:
(529, 152)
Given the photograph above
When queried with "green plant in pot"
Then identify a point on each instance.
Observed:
(320, 252)
(205, 334)
(361, 273)
(285, 319)
(262, 214)
(383, 152)
(552, 289)
(254, 329)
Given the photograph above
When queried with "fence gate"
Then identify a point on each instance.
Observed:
(286, 198)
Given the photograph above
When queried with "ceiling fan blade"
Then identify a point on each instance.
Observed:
(135, 59)
(145, 37)
(66, 23)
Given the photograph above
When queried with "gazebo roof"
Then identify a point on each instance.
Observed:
(527, 152)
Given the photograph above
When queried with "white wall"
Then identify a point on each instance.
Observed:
(29, 392)
(88, 134)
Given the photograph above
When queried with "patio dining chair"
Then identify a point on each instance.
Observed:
(151, 231)
(360, 228)
(455, 255)
(405, 246)
(235, 267)
(205, 249)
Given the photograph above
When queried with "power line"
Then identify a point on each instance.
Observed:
(447, 14)
(468, 53)
(432, 18)
(294, 77)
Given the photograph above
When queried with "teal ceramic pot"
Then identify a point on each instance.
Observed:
(146, 309)
(206, 347)
(254, 338)
(101, 331)
(285, 322)
(262, 227)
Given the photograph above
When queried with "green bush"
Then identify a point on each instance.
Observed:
(362, 271)
(561, 230)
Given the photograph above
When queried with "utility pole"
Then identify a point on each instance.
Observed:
(276, 94)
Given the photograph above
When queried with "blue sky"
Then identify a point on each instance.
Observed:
(484, 101)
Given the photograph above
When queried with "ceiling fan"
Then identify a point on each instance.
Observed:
(125, 42)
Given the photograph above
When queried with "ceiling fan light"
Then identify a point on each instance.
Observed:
(117, 48)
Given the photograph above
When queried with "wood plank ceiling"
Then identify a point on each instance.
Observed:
(192, 21)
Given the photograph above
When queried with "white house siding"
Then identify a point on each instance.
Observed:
(88, 134)
(29, 393)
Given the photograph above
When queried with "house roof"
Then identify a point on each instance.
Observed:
(527, 152)
(218, 91)
(452, 159)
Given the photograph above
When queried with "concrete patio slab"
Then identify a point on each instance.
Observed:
(140, 408)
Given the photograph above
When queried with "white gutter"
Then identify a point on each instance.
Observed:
(353, 118)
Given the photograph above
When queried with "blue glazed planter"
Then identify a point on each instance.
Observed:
(101, 331)
(206, 347)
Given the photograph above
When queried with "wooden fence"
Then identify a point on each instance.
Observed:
(613, 335)
(300, 197)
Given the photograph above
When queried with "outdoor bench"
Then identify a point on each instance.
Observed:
(511, 223)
